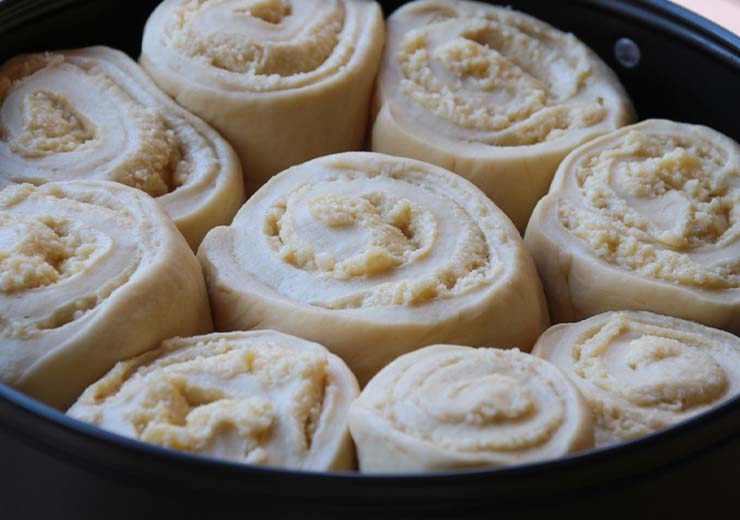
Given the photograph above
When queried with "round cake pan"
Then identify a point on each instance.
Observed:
(674, 65)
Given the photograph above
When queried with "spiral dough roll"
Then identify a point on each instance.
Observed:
(373, 256)
(448, 407)
(91, 272)
(642, 372)
(258, 397)
(283, 80)
(645, 218)
(492, 94)
(94, 114)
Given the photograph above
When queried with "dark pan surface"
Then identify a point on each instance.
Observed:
(50, 464)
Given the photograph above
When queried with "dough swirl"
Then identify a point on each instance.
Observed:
(645, 218)
(373, 256)
(258, 397)
(446, 407)
(94, 114)
(492, 94)
(91, 272)
(641, 372)
(283, 80)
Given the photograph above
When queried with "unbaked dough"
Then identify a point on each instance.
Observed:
(373, 256)
(258, 397)
(283, 80)
(492, 94)
(449, 407)
(91, 272)
(94, 114)
(645, 218)
(641, 372)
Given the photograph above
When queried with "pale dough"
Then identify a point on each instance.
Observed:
(645, 218)
(641, 372)
(492, 94)
(91, 272)
(283, 80)
(94, 114)
(374, 256)
(449, 407)
(258, 397)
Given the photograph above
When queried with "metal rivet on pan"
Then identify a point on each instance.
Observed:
(627, 53)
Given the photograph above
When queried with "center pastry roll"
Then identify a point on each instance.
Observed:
(374, 256)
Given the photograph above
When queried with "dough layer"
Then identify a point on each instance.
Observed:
(283, 80)
(373, 256)
(448, 407)
(259, 397)
(94, 114)
(492, 94)
(91, 272)
(645, 218)
(641, 372)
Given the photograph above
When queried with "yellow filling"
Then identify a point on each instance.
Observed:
(52, 126)
(511, 82)
(651, 201)
(194, 33)
(41, 251)
(218, 395)
(373, 235)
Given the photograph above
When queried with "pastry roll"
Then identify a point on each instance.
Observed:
(492, 94)
(283, 80)
(373, 256)
(645, 218)
(91, 272)
(642, 372)
(448, 407)
(259, 397)
(94, 114)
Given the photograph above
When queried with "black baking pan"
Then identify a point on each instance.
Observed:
(674, 64)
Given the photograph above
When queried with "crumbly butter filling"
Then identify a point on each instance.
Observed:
(512, 82)
(269, 44)
(44, 242)
(52, 126)
(648, 202)
(43, 250)
(374, 235)
(251, 400)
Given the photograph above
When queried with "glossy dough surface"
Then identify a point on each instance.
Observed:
(258, 397)
(642, 372)
(645, 218)
(373, 256)
(446, 407)
(492, 94)
(283, 80)
(94, 114)
(91, 272)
